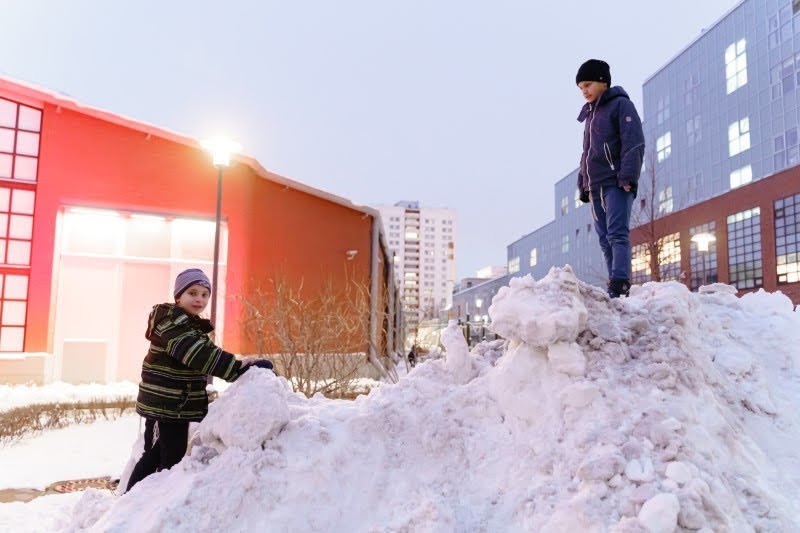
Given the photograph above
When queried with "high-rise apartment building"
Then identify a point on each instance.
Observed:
(423, 241)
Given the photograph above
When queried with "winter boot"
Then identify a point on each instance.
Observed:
(618, 287)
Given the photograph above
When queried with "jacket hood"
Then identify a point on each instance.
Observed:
(608, 95)
(173, 313)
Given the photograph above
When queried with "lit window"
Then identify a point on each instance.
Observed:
(740, 176)
(578, 202)
(669, 257)
(533, 257)
(665, 201)
(513, 265)
(412, 236)
(703, 264)
(739, 136)
(20, 128)
(664, 146)
(640, 264)
(787, 239)
(564, 205)
(565, 244)
(736, 66)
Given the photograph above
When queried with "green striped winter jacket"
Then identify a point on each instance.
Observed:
(174, 372)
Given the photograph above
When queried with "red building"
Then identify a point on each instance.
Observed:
(99, 212)
(757, 230)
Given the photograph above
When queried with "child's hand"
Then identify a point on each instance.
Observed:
(626, 188)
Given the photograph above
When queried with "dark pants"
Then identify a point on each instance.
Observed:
(611, 211)
(167, 450)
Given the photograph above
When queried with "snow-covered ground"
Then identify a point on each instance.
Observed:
(12, 396)
(79, 451)
(666, 411)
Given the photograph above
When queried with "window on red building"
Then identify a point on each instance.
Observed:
(787, 239)
(744, 249)
(697, 261)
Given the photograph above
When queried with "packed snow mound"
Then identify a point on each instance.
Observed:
(666, 411)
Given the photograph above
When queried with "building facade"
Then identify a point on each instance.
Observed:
(98, 213)
(422, 240)
(721, 114)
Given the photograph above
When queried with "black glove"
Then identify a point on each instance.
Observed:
(260, 363)
(584, 197)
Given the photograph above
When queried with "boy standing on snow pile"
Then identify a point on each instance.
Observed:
(173, 388)
(613, 150)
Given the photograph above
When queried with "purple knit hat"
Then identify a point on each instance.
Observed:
(189, 277)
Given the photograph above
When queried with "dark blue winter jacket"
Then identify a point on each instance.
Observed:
(613, 142)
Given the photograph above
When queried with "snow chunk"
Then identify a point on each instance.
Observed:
(678, 472)
(659, 514)
(540, 313)
(457, 358)
(250, 418)
(567, 358)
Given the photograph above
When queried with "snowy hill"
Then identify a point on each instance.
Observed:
(666, 411)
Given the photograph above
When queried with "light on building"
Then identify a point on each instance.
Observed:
(703, 240)
(221, 150)
(478, 303)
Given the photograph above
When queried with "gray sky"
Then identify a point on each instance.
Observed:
(460, 103)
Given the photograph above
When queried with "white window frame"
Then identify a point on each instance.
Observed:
(664, 146)
(735, 66)
(739, 136)
(741, 176)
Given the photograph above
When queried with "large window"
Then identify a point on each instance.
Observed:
(19, 140)
(564, 205)
(735, 66)
(693, 130)
(744, 249)
(787, 239)
(534, 258)
(577, 199)
(565, 243)
(739, 136)
(662, 109)
(513, 265)
(665, 201)
(691, 87)
(664, 146)
(669, 257)
(741, 176)
(640, 264)
(703, 264)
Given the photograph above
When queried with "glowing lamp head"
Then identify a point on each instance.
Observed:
(703, 240)
(221, 150)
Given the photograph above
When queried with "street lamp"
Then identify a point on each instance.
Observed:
(221, 150)
(702, 240)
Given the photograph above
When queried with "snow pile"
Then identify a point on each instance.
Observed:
(664, 411)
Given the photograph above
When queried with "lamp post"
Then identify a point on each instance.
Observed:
(702, 240)
(221, 151)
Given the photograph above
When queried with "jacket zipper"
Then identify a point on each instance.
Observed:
(592, 108)
(186, 393)
(607, 152)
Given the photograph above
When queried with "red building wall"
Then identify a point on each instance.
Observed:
(762, 194)
(87, 161)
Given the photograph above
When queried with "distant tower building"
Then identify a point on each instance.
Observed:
(423, 240)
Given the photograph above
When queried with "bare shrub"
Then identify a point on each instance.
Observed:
(21, 421)
(319, 342)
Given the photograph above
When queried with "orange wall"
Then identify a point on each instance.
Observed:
(89, 162)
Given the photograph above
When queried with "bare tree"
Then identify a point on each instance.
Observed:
(319, 341)
(647, 210)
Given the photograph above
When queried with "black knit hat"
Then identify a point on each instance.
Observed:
(594, 70)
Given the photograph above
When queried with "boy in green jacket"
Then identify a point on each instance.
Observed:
(174, 373)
